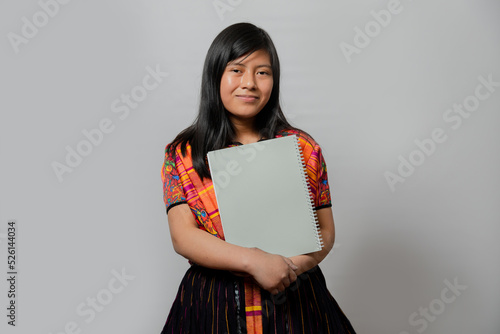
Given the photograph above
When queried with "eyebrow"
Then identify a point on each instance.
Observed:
(241, 64)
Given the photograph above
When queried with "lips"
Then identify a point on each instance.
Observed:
(247, 98)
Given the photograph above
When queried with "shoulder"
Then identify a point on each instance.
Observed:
(305, 139)
(173, 150)
(181, 143)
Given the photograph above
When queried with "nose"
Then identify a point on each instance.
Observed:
(248, 80)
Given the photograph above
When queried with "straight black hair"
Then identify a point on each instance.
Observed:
(212, 128)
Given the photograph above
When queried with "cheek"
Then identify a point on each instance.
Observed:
(226, 89)
(267, 89)
(228, 84)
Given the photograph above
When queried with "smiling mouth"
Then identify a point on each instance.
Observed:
(247, 98)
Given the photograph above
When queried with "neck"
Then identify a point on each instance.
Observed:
(245, 131)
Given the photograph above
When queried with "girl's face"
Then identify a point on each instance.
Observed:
(246, 85)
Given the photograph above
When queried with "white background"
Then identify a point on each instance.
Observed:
(395, 248)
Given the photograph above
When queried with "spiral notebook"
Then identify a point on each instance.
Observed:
(263, 197)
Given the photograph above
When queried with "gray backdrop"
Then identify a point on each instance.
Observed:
(403, 96)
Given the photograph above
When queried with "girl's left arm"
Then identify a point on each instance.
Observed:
(327, 227)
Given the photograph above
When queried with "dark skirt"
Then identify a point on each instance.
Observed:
(213, 301)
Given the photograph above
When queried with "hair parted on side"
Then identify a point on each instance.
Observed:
(212, 128)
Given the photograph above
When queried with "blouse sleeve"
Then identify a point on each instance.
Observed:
(318, 179)
(173, 192)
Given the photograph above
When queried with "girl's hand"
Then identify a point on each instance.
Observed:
(272, 272)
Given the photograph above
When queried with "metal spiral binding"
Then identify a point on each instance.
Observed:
(305, 179)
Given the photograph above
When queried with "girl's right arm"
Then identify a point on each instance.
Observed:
(272, 272)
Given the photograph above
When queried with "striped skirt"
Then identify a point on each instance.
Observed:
(213, 301)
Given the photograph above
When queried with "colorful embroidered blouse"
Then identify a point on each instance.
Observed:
(181, 183)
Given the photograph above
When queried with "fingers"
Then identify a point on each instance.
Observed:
(292, 276)
(290, 263)
(288, 279)
(274, 273)
(277, 290)
(286, 282)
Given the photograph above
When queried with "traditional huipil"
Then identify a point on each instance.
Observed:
(217, 301)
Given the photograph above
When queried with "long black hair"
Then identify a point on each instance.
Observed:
(212, 128)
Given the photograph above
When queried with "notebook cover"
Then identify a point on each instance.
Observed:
(263, 197)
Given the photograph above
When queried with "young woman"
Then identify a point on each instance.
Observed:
(228, 288)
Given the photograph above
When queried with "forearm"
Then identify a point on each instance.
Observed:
(272, 272)
(202, 248)
(206, 250)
